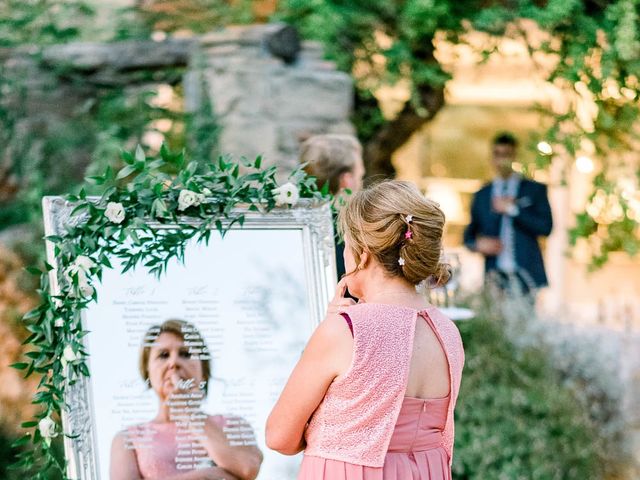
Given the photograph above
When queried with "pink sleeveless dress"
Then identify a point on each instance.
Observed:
(415, 451)
(418, 448)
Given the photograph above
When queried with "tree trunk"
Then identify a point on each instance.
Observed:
(392, 135)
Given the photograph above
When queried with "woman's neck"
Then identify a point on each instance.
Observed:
(392, 291)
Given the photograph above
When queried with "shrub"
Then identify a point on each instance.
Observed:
(7, 457)
(517, 418)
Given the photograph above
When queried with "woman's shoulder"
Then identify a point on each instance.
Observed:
(450, 336)
(131, 436)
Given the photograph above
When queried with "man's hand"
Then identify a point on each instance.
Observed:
(488, 245)
(503, 205)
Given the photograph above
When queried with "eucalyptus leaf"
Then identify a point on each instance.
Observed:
(139, 155)
(125, 172)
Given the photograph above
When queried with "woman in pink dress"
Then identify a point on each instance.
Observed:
(182, 442)
(373, 394)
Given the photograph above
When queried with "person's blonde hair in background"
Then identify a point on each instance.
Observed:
(334, 159)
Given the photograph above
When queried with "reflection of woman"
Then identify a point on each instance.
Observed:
(181, 442)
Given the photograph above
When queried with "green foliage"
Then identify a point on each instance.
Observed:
(380, 42)
(203, 130)
(44, 22)
(122, 116)
(516, 416)
(596, 45)
(8, 458)
(194, 198)
(47, 154)
(51, 159)
(611, 220)
(195, 16)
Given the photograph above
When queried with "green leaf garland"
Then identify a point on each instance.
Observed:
(119, 224)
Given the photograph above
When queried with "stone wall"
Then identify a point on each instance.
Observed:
(264, 104)
(268, 90)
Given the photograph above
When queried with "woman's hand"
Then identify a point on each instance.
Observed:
(239, 456)
(339, 302)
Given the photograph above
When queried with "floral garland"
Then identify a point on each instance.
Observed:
(165, 189)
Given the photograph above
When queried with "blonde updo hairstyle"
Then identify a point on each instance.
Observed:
(376, 220)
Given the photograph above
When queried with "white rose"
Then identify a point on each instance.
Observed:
(72, 270)
(80, 268)
(114, 212)
(188, 198)
(85, 263)
(286, 194)
(86, 290)
(47, 428)
(69, 354)
(84, 287)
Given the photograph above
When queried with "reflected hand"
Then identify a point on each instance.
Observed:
(488, 245)
(179, 383)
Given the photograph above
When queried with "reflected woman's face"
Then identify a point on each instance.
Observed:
(172, 367)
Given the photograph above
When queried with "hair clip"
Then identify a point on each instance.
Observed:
(409, 218)
(408, 234)
(401, 261)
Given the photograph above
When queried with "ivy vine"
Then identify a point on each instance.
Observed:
(122, 223)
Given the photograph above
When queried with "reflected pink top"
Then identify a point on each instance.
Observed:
(355, 421)
(162, 451)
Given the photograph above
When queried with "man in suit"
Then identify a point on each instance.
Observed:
(507, 217)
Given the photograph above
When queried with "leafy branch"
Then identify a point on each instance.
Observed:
(146, 214)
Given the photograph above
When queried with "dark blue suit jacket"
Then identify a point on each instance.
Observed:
(533, 220)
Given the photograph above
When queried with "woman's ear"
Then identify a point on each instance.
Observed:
(364, 260)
